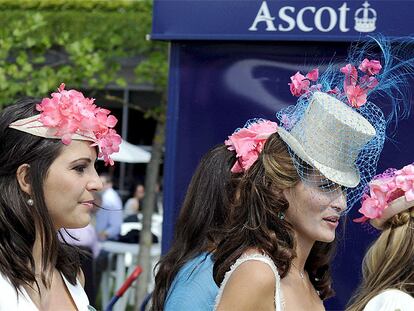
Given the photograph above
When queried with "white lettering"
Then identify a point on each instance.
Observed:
(286, 18)
(299, 18)
(332, 19)
(314, 16)
(342, 17)
(263, 16)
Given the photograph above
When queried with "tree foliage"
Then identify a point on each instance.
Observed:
(81, 43)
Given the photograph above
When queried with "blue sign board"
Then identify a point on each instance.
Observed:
(280, 20)
(224, 70)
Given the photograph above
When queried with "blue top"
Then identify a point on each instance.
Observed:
(193, 287)
(109, 219)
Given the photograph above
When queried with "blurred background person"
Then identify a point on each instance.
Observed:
(133, 205)
(109, 217)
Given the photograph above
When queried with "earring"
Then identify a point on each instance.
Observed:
(281, 215)
(30, 202)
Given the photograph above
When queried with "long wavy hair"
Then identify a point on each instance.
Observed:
(20, 223)
(201, 220)
(388, 263)
(254, 220)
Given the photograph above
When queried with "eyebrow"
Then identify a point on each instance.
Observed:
(82, 159)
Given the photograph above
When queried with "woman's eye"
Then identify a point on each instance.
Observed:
(80, 168)
(329, 187)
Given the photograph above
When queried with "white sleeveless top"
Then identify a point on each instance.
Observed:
(391, 300)
(279, 301)
(9, 300)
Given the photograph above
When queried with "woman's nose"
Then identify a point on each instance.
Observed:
(339, 203)
(95, 184)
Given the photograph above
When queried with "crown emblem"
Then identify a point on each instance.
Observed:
(365, 18)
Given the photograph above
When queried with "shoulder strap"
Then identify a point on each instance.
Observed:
(77, 293)
(259, 257)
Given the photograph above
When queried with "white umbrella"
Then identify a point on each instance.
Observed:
(130, 153)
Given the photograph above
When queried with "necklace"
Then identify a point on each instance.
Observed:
(301, 272)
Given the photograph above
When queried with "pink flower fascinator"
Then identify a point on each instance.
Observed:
(355, 88)
(248, 142)
(387, 195)
(69, 115)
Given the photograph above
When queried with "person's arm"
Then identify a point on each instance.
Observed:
(250, 287)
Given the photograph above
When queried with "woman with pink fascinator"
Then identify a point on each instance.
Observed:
(297, 178)
(388, 267)
(47, 183)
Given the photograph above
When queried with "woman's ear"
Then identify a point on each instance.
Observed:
(22, 175)
(285, 193)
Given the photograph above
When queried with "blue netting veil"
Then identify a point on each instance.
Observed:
(334, 131)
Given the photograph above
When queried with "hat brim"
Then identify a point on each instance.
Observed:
(348, 179)
(33, 126)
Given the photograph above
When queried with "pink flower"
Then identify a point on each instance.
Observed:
(351, 75)
(371, 209)
(368, 82)
(299, 85)
(248, 142)
(404, 180)
(371, 67)
(313, 75)
(356, 95)
(386, 188)
(68, 112)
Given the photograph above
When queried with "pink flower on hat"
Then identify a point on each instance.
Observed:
(351, 75)
(68, 112)
(371, 67)
(313, 75)
(356, 89)
(385, 188)
(404, 180)
(248, 142)
(299, 85)
(368, 82)
(356, 95)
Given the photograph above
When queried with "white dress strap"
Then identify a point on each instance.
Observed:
(21, 301)
(78, 294)
(279, 301)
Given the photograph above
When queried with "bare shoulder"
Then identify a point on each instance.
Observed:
(81, 277)
(250, 287)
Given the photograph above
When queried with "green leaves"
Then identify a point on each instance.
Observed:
(81, 43)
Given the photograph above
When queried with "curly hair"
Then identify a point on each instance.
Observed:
(388, 263)
(255, 222)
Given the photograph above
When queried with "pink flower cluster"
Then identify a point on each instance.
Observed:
(301, 84)
(248, 142)
(355, 89)
(68, 112)
(385, 188)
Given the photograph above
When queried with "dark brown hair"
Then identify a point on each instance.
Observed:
(202, 217)
(20, 222)
(255, 222)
